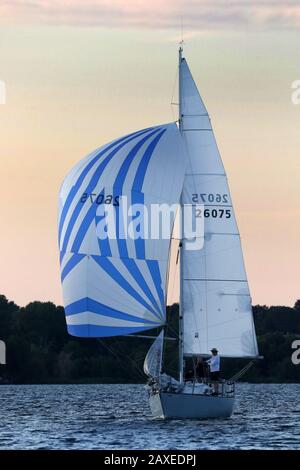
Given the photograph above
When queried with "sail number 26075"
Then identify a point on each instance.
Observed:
(214, 213)
(210, 197)
(100, 198)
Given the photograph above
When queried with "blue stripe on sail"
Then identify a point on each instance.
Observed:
(119, 181)
(93, 331)
(73, 261)
(136, 273)
(83, 174)
(91, 305)
(103, 243)
(91, 213)
(139, 242)
(118, 189)
(155, 274)
(112, 271)
(137, 197)
(91, 216)
(142, 168)
(92, 184)
(88, 219)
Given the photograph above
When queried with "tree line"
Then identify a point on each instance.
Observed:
(39, 349)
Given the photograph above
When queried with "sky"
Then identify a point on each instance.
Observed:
(80, 73)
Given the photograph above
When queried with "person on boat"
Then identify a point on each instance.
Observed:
(189, 375)
(200, 369)
(214, 366)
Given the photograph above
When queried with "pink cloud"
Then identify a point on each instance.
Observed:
(198, 15)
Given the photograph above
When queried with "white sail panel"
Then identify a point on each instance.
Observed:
(216, 300)
(116, 285)
(153, 360)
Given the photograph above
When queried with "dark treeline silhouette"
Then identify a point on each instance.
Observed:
(39, 349)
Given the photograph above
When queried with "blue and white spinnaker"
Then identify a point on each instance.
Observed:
(116, 285)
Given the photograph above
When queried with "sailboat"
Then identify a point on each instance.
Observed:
(115, 284)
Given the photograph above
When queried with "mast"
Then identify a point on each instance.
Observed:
(181, 352)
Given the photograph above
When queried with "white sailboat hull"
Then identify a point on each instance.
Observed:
(166, 405)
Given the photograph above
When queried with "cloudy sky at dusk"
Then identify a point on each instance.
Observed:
(80, 73)
(166, 14)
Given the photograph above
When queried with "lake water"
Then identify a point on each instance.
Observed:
(118, 417)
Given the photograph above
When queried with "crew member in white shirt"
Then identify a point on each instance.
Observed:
(214, 366)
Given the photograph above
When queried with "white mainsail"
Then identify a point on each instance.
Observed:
(153, 360)
(215, 297)
(116, 285)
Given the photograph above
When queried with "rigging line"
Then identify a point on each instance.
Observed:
(173, 93)
(169, 328)
(109, 349)
(186, 146)
(163, 350)
(125, 368)
(171, 296)
(181, 24)
(168, 276)
(173, 331)
(242, 372)
(169, 264)
(168, 338)
(133, 362)
(194, 184)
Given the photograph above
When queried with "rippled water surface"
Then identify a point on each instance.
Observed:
(118, 417)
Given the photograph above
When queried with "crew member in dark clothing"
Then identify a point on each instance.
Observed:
(200, 368)
(189, 375)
